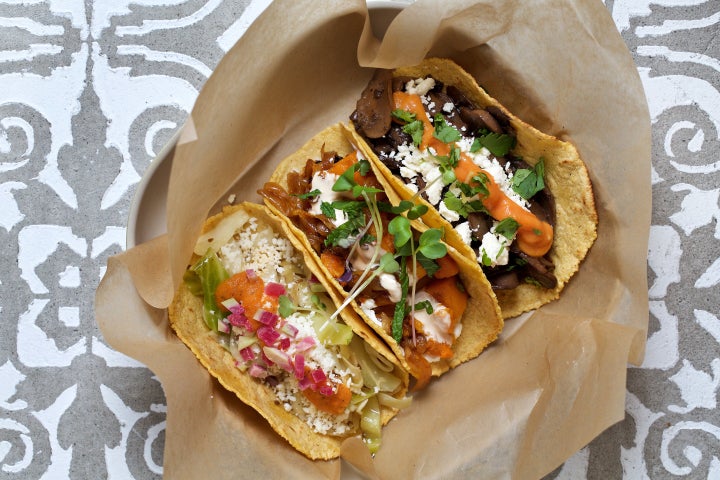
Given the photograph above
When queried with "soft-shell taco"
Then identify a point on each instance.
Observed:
(432, 306)
(256, 311)
(515, 200)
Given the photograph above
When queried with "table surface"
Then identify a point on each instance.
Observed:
(91, 91)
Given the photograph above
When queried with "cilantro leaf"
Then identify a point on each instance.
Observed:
(463, 208)
(454, 156)
(454, 204)
(444, 132)
(310, 194)
(403, 115)
(527, 183)
(328, 210)
(499, 144)
(340, 235)
(345, 233)
(486, 260)
(415, 130)
(507, 227)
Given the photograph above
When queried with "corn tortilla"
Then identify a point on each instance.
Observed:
(565, 175)
(482, 321)
(186, 318)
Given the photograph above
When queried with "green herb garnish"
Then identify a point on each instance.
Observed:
(527, 183)
(430, 244)
(328, 210)
(445, 132)
(425, 305)
(415, 130)
(310, 194)
(403, 115)
(463, 208)
(499, 144)
(399, 227)
(315, 299)
(430, 265)
(507, 227)
(401, 307)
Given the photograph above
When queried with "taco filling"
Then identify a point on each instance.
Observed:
(405, 282)
(265, 307)
(459, 158)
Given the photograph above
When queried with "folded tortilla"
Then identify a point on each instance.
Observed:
(566, 177)
(282, 408)
(481, 321)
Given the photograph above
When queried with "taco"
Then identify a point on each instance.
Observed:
(256, 311)
(515, 200)
(432, 307)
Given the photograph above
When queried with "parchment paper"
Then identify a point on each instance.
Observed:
(556, 378)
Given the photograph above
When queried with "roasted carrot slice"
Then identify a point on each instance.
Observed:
(448, 267)
(248, 291)
(334, 404)
(334, 264)
(448, 292)
(341, 166)
(438, 349)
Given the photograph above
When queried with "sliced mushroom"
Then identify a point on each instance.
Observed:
(373, 117)
(459, 98)
(500, 116)
(439, 100)
(543, 206)
(478, 119)
(540, 269)
(479, 225)
(504, 280)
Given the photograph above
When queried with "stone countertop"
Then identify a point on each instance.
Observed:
(90, 91)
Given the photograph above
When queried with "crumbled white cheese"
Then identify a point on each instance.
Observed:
(463, 229)
(420, 86)
(270, 255)
(260, 250)
(448, 107)
(494, 247)
(449, 215)
(482, 158)
(324, 181)
(433, 189)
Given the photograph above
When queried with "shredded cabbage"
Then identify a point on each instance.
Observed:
(373, 377)
(371, 425)
(211, 273)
